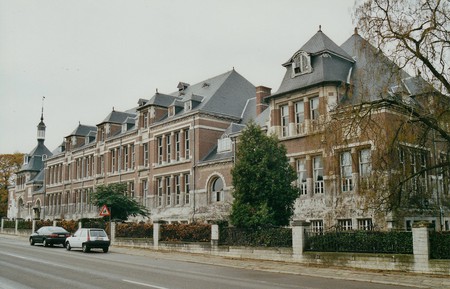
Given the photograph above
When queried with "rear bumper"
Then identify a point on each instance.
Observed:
(97, 244)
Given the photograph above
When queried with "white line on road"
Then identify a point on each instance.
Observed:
(144, 284)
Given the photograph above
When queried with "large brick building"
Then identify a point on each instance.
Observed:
(175, 151)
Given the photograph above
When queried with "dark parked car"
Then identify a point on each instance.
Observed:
(49, 235)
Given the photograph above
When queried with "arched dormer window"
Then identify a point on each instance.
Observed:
(301, 64)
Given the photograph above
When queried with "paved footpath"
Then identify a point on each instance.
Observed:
(414, 280)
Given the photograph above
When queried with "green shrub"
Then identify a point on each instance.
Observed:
(42, 223)
(93, 223)
(9, 224)
(440, 245)
(186, 232)
(361, 241)
(260, 237)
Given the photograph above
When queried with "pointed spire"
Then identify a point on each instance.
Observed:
(320, 28)
(356, 31)
(41, 125)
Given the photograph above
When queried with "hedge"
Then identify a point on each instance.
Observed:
(361, 242)
(134, 230)
(440, 245)
(185, 232)
(262, 237)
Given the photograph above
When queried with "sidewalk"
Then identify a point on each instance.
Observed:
(382, 277)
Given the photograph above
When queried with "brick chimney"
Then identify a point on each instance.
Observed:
(261, 93)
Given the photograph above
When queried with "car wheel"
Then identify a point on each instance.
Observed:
(105, 250)
(85, 248)
(68, 246)
(31, 242)
(45, 243)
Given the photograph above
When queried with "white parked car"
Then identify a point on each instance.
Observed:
(87, 239)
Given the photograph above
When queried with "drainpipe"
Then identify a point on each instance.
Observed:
(194, 166)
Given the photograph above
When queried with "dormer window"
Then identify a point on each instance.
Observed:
(187, 105)
(74, 140)
(224, 145)
(301, 64)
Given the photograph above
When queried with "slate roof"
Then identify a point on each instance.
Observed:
(117, 117)
(329, 62)
(225, 94)
(35, 162)
(82, 130)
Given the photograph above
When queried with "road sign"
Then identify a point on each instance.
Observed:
(104, 211)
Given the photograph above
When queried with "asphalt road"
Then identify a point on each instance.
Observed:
(25, 266)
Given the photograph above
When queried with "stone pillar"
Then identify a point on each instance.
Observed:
(16, 227)
(80, 225)
(54, 222)
(113, 232)
(298, 237)
(421, 247)
(214, 237)
(33, 225)
(156, 230)
(2, 225)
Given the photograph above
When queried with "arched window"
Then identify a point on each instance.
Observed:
(217, 190)
(301, 64)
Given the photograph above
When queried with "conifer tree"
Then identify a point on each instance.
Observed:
(262, 179)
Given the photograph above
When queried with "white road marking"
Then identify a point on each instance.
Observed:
(144, 284)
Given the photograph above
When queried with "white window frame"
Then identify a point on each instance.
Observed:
(346, 171)
(301, 176)
(318, 175)
(300, 116)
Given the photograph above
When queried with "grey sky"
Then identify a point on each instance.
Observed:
(88, 56)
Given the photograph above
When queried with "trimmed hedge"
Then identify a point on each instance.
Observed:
(185, 232)
(361, 242)
(262, 237)
(134, 230)
(440, 245)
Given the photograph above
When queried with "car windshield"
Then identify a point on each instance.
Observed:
(98, 233)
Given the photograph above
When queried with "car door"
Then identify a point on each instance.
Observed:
(75, 241)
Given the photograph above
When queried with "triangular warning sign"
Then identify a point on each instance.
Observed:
(104, 211)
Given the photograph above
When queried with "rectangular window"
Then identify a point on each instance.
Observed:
(144, 192)
(160, 150)
(300, 117)
(168, 192)
(177, 146)
(187, 148)
(113, 160)
(317, 227)
(131, 189)
(125, 157)
(177, 190)
(365, 224)
(133, 157)
(346, 172)
(318, 175)
(345, 224)
(301, 176)
(186, 189)
(284, 120)
(314, 108)
(365, 163)
(146, 155)
(168, 148)
(145, 120)
(160, 192)
(102, 164)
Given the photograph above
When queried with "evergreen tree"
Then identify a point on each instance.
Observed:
(262, 179)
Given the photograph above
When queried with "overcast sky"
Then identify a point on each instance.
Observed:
(88, 56)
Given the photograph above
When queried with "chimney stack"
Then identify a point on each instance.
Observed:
(261, 93)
